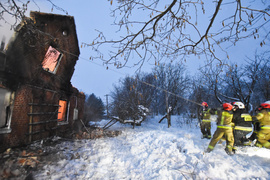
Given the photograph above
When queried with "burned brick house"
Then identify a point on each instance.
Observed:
(37, 99)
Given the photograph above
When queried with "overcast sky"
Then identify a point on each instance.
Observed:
(93, 77)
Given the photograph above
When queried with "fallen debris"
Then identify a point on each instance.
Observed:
(20, 163)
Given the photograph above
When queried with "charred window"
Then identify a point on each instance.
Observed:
(5, 108)
(62, 111)
(51, 60)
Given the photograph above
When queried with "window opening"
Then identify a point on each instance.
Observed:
(65, 33)
(5, 109)
(52, 60)
(62, 110)
(75, 114)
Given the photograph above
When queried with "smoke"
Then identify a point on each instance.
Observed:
(6, 30)
(8, 22)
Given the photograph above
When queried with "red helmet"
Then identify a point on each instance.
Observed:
(267, 102)
(227, 106)
(204, 104)
(265, 106)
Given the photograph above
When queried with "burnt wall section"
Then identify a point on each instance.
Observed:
(7, 77)
(19, 123)
(63, 37)
(26, 52)
(38, 65)
(35, 115)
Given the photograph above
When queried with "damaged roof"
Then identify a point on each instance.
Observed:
(68, 25)
(32, 46)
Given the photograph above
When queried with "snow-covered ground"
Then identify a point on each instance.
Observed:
(154, 151)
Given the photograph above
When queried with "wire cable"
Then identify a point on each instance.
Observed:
(146, 83)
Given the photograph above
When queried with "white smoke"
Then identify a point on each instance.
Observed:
(8, 22)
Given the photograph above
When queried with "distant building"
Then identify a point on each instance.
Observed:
(37, 99)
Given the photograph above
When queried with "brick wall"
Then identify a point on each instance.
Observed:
(21, 130)
(19, 122)
(37, 86)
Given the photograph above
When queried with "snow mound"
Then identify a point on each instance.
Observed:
(153, 151)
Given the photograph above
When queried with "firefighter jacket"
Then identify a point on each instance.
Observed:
(206, 115)
(224, 129)
(264, 118)
(242, 120)
(224, 119)
(264, 133)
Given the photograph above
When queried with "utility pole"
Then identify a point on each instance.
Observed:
(107, 106)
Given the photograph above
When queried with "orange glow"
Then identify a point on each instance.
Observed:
(62, 110)
(51, 59)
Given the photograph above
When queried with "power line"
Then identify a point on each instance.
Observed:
(162, 89)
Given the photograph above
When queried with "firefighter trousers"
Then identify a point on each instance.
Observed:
(263, 138)
(206, 129)
(219, 133)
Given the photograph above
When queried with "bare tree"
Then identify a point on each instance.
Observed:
(212, 79)
(248, 83)
(93, 109)
(173, 82)
(261, 90)
(146, 89)
(201, 91)
(129, 94)
(12, 12)
(161, 30)
(240, 82)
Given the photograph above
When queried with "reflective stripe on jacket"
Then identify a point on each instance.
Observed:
(206, 114)
(224, 126)
(264, 117)
(243, 128)
(246, 117)
(242, 119)
(224, 118)
(265, 127)
(206, 120)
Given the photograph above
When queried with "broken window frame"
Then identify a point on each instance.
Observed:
(65, 119)
(6, 122)
(46, 61)
(75, 114)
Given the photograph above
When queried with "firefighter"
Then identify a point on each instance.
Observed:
(242, 123)
(256, 129)
(205, 120)
(224, 128)
(263, 135)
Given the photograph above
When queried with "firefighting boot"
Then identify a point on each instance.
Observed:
(247, 143)
(258, 144)
(208, 150)
(229, 150)
(234, 149)
(204, 136)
